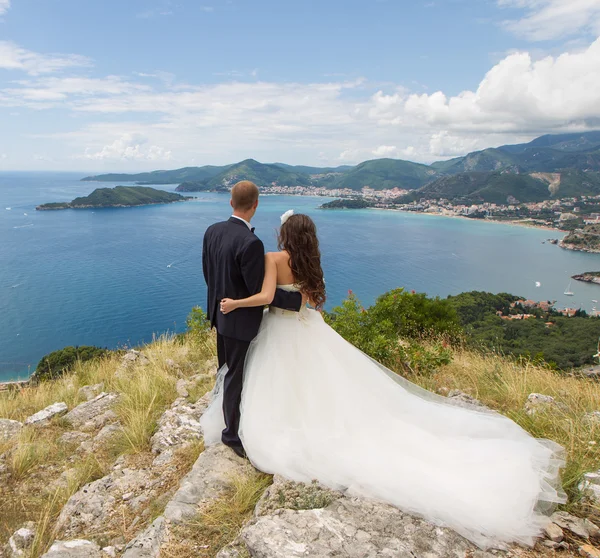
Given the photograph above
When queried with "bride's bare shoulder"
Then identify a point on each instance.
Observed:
(278, 256)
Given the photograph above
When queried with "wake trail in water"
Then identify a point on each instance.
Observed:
(23, 226)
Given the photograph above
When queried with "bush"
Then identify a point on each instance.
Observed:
(401, 330)
(197, 322)
(55, 364)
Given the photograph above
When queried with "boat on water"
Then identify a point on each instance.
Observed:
(568, 291)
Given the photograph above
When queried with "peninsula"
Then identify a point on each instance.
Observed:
(120, 196)
(588, 277)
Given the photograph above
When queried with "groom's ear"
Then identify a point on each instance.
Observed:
(231, 204)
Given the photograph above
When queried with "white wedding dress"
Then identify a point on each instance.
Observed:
(315, 407)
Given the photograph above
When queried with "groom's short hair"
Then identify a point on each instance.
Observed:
(244, 195)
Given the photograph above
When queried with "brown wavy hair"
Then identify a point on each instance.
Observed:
(298, 237)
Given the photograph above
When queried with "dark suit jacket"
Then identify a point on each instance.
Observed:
(233, 262)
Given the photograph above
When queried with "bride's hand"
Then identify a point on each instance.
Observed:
(228, 305)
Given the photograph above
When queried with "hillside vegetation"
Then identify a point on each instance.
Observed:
(416, 336)
(120, 196)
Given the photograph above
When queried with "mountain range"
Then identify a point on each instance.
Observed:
(559, 165)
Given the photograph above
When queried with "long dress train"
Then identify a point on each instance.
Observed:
(315, 407)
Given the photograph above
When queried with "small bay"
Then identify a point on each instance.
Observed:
(115, 277)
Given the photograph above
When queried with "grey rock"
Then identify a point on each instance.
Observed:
(42, 417)
(236, 549)
(182, 388)
(9, 429)
(537, 402)
(109, 551)
(554, 532)
(179, 424)
(86, 415)
(590, 486)
(210, 476)
(74, 437)
(171, 364)
(163, 458)
(89, 392)
(583, 528)
(588, 551)
(21, 540)
(100, 440)
(147, 544)
(353, 528)
(88, 509)
(286, 494)
(592, 417)
(464, 399)
(131, 358)
(77, 548)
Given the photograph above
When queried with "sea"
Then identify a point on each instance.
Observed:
(118, 277)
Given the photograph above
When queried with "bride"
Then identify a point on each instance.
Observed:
(315, 407)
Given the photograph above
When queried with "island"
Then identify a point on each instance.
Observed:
(586, 239)
(352, 203)
(120, 196)
(588, 277)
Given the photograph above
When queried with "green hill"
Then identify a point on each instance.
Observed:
(120, 196)
(479, 187)
(259, 173)
(314, 170)
(548, 153)
(382, 174)
(562, 142)
(478, 161)
(162, 176)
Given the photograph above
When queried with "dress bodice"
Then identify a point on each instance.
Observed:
(292, 288)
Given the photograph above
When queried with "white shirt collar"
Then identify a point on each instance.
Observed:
(243, 221)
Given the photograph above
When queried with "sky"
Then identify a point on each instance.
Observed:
(114, 85)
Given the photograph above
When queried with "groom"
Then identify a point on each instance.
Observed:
(233, 262)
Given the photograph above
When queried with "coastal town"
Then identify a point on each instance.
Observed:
(562, 214)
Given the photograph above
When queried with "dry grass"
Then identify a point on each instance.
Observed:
(504, 385)
(36, 459)
(220, 522)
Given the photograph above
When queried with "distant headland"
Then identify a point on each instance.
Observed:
(120, 196)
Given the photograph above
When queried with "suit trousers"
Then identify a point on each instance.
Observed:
(233, 353)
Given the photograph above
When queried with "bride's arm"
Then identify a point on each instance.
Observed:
(264, 297)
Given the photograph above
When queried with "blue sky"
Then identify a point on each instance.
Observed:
(139, 85)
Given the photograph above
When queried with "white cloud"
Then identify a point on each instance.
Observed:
(442, 144)
(13, 57)
(554, 19)
(4, 6)
(519, 95)
(137, 122)
(129, 147)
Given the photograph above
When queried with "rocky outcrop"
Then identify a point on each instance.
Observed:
(20, 542)
(90, 511)
(89, 392)
(78, 548)
(131, 358)
(45, 415)
(179, 424)
(212, 474)
(9, 429)
(93, 414)
(353, 528)
(537, 402)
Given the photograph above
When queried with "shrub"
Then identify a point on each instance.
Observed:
(55, 364)
(197, 322)
(399, 315)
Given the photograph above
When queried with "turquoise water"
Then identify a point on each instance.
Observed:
(101, 277)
